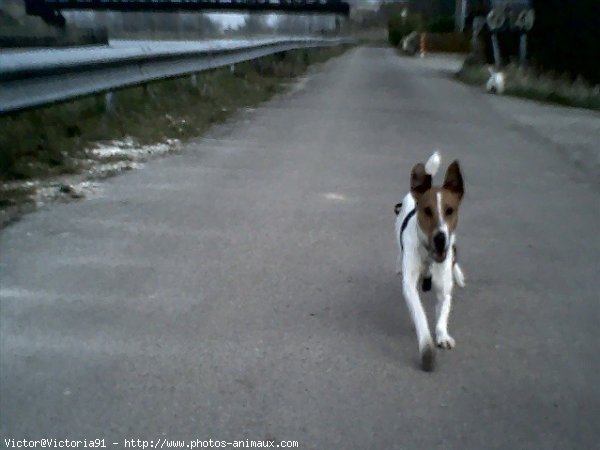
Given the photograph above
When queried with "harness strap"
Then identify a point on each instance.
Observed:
(405, 224)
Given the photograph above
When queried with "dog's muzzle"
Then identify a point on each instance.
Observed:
(440, 249)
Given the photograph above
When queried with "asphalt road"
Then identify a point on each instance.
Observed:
(245, 288)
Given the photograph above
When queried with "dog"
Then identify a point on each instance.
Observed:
(426, 235)
(495, 84)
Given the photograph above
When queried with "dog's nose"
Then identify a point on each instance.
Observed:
(439, 242)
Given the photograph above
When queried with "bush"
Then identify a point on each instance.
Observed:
(440, 24)
(398, 27)
(447, 42)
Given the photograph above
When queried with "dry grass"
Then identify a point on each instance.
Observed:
(545, 87)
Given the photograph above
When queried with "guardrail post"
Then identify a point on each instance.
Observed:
(232, 68)
(194, 80)
(148, 91)
(109, 102)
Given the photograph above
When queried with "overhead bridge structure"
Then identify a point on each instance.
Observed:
(49, 10)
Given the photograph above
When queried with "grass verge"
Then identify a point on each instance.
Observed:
(544, 87)
(39, 146)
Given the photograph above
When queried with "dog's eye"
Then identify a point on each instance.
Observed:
(449, 211)
(428, 211)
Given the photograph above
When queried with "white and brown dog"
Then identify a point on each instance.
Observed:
(425, 230)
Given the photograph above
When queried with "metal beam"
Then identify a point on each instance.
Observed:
(298, 6)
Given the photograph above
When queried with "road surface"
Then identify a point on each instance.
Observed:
(245, 288)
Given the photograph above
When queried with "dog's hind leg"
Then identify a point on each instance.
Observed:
(417, 313)
(426, 280)
(459, 277)
(426, 283)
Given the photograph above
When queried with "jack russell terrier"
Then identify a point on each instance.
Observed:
(425, 230)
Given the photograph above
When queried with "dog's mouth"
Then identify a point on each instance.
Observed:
(439, 256)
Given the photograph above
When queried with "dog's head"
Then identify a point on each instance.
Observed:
(437, 208)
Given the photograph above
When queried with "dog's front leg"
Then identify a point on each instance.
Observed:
(411, 295)
(443, 288)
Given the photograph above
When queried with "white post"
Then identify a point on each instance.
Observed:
(496, 47)
(523, 49)
(463, 15)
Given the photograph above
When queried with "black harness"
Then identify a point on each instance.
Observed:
(404, 222)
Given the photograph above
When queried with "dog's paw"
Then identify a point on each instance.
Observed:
(445, 341)
(428, 358)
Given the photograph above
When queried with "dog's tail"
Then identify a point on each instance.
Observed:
(433, 163)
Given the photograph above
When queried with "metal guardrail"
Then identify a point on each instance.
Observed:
(34, 78)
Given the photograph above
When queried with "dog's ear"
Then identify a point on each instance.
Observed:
(454, 180)
(420, 181)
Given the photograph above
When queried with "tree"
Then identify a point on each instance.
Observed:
(566, 37)
(254, 24)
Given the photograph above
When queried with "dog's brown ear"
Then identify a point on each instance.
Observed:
(420, 181)
(454, 180)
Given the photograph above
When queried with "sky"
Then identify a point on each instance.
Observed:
(227, 20)
(234, 20)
